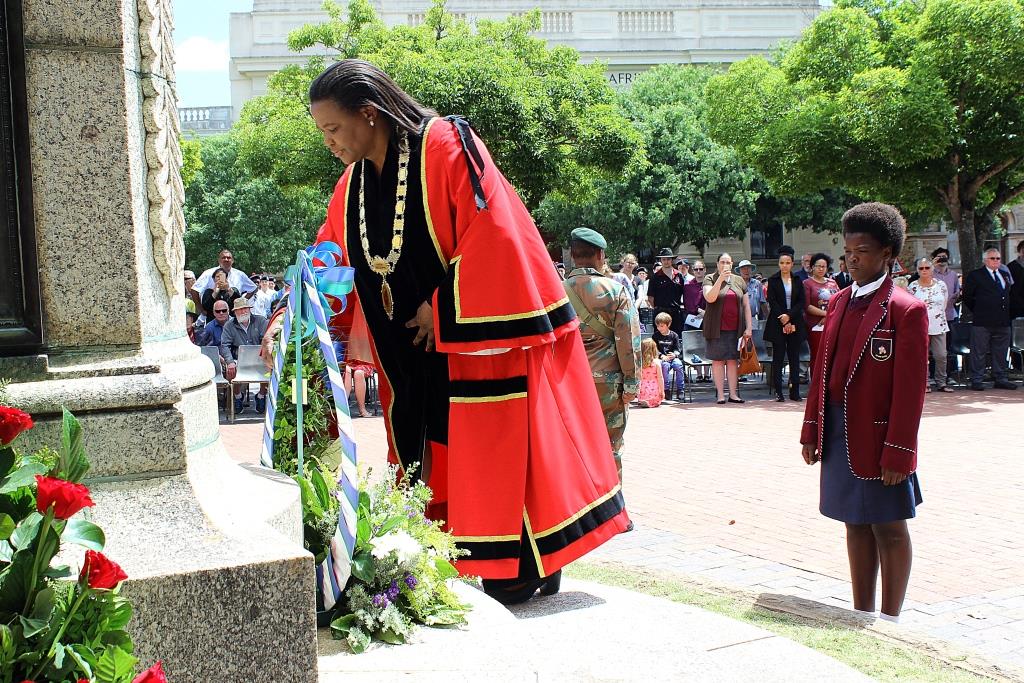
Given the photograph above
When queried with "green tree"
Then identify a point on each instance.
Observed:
(915, 103)
(259, 221)
(550, 122)
(687, 189)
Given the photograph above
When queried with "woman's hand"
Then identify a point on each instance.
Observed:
(784, 318)
(748, 333)
(424, 320)
(892, 477)
(810, 454)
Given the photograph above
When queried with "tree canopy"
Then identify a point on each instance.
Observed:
(227, 207)
(918, 103)
(550, 122)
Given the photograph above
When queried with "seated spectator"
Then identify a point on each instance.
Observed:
(652, 382)
(245, 329)
(214, 330)
(669, 351)
(193, 300)
(190, 325)
(221, 291)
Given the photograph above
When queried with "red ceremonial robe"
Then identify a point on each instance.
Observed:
(527, 473)
(884, 391)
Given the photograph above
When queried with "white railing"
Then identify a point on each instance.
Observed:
(646, 22)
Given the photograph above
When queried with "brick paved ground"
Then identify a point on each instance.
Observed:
(721, 493)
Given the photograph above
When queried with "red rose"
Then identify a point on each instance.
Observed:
(68, 498)
(154, 674)
(100, 572)
(12, 423)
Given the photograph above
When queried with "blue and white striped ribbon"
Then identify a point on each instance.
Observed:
(314, 284)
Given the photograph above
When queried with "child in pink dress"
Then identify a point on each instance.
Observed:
(652, 383)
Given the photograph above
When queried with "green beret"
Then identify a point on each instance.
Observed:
(589, 236)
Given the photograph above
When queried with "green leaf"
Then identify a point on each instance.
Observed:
(310, 504)
(73, 463)
(341, 626)
(445, 569)
(7, 526)
(82, 656)
(119, 638)
(23, 476)
(59, 572)
(389, 636)
(362, 565)
(114, 665)
(323, 491)
(358, 640)
(32, 626)
(121, 614)
(390, 524)
(26, 531)
(6, 551)
(362, 531)
(364, 501)
(7, 460)
(84, 533)
(7, 647)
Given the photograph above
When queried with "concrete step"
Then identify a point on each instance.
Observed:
(588, 632)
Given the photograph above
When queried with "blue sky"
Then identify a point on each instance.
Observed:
(201, 42)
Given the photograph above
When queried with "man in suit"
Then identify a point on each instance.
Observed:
(843, 277)
(804, 271)
(987, 295)
(1016, 268)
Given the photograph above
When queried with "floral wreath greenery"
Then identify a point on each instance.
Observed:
(53, 629)
(402, 561)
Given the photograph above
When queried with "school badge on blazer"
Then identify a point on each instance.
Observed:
(881, 348)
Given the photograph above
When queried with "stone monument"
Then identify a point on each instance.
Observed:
(92, 318)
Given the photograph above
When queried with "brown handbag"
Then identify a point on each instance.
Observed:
(749, 364)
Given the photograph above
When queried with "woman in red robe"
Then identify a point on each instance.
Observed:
(484, 380)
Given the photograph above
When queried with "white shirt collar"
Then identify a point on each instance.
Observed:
(859, 290)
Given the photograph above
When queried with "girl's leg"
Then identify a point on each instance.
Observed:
(862, 549)
(731, 367)
(359, 377)
(718, 372)
(896, 555)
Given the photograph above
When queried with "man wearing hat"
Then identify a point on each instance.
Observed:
(610, 329)
(245, 329)
(665, 293)
(755, 291)
(683, 266)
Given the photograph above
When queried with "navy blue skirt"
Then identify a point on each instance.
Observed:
(848, 499)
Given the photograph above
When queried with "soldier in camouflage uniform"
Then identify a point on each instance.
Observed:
(610, 329)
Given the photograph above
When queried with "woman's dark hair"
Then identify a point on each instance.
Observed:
(786, 250)
(353, 83)
(819, 256)
(218, 270)
(939, 250)
(881, 221)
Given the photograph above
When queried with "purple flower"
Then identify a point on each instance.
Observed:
(380, 601)
(393, 590)
(411, 581)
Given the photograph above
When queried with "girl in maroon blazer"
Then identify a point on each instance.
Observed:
(864, 409)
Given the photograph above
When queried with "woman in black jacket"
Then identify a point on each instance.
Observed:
(785, 327)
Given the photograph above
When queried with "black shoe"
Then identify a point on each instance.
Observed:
(720, 401)
(261, 403)
(795, 397)
(515, 595)
(1005, 384)
(779, 397)
(977, 386)
(736, 400)
(238, 405)
(628, 528)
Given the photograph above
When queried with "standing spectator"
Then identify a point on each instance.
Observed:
(669, 350)
(221, 291)
(683, 266)
(652, 382)
(665, 293)
(629, 265)
(843, 278)
(1016, 268)
(560, 269)
(610, 329)
(804, 271)
(755, 291)
(641, 288)
(727, 318)
(695, 305)
(263, 300)
(987, 295)
(864, 408)
(951, 278)
(236, 278)
(818, 290)
(785, 327)
(245, 329)
(934, 295)
(625, 280)
(214, 329)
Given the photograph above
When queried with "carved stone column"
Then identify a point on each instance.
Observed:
(222, 586)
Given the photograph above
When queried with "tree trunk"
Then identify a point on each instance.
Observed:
(970, 245)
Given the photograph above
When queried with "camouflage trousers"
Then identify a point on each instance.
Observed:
(610, 396)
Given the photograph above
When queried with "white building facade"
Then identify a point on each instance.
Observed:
(628, 36)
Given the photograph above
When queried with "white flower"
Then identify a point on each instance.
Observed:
(405, 547)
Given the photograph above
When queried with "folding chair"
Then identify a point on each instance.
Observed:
(1017, 342)
(213, 353)
(694, 350)
(960, 346)
(763, 356)
(249, 369)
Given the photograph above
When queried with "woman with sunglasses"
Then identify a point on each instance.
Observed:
(935, 296)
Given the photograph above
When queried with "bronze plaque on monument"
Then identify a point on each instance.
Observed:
(20, 315)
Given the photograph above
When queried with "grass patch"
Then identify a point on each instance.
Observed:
(867, 653)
